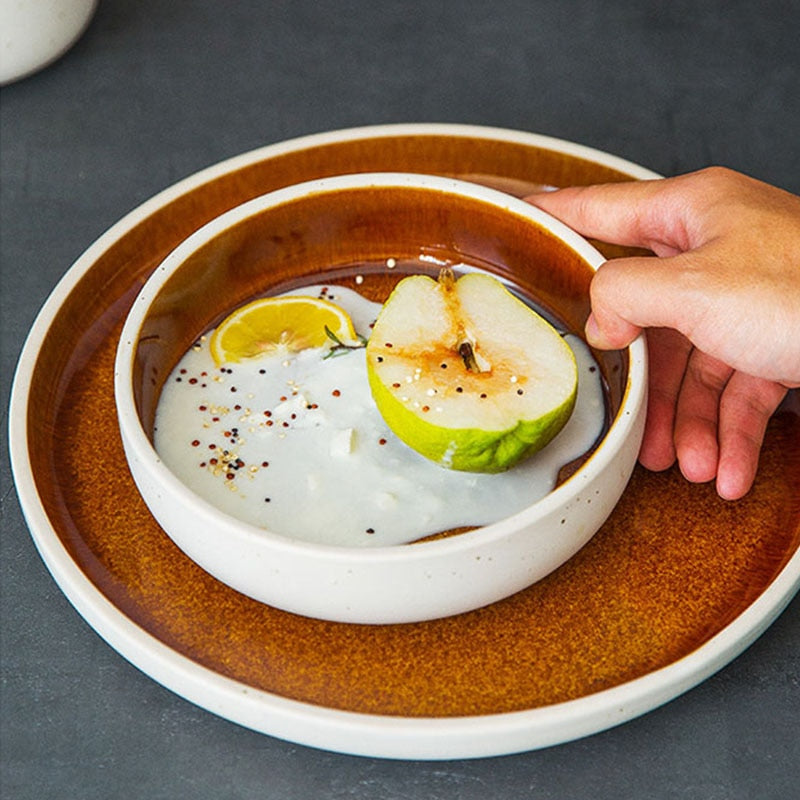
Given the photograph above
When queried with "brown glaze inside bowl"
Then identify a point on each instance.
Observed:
(331, 237)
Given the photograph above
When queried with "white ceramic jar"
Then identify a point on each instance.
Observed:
(34, 33)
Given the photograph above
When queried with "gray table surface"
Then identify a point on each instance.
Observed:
(157, 90)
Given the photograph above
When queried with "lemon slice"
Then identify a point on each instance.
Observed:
(284, 324)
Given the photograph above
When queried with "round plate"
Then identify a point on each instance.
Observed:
(652, 606)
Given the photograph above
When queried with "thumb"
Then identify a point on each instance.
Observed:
(629, 294)
(610, 334)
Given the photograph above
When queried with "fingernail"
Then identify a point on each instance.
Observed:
(592, 330)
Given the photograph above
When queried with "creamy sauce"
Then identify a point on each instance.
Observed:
(294, 443)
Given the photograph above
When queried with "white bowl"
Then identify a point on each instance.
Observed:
(38, 32)
(429, 579)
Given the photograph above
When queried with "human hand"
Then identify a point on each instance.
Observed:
(721, 301)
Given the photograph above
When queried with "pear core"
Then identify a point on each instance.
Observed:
(467, 374)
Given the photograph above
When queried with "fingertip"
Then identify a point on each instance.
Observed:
(697, 472)
(657, 456)
(745, 409)
(735, 476)
(732, 488)
(613, 212)
(594, 335)
(552, 200)
(698, 462)
(657, 451)
(610, 335)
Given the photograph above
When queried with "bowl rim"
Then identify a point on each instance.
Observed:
(248, 534)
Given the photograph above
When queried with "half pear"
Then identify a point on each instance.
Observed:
(467, 374)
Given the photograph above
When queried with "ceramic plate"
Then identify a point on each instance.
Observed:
(652, 606)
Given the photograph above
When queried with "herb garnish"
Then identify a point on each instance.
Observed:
(340, 347)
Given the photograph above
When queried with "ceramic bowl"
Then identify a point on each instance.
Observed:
(311, 233)
(36, 33)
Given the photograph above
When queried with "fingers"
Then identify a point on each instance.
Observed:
(592, 210)
(631, 213)
(665, 215)
(708, 417)
(697, 415)
(668, 353)
(714, 278)
(717, 286)
(746, 406)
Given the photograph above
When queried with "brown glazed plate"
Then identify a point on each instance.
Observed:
(674, 585)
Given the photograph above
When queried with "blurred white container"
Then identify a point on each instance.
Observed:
(34, 33)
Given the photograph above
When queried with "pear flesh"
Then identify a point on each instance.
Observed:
(466, 374)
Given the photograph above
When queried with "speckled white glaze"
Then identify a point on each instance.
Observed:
(35, 33)
(391, 584)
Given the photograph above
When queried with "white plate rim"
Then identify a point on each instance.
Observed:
(418, 738)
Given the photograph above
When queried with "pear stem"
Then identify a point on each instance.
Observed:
(468, 357)
(447, 278)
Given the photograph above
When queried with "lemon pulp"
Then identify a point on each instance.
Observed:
(290, 323)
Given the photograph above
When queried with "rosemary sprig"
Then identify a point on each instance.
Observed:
(340, 347)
